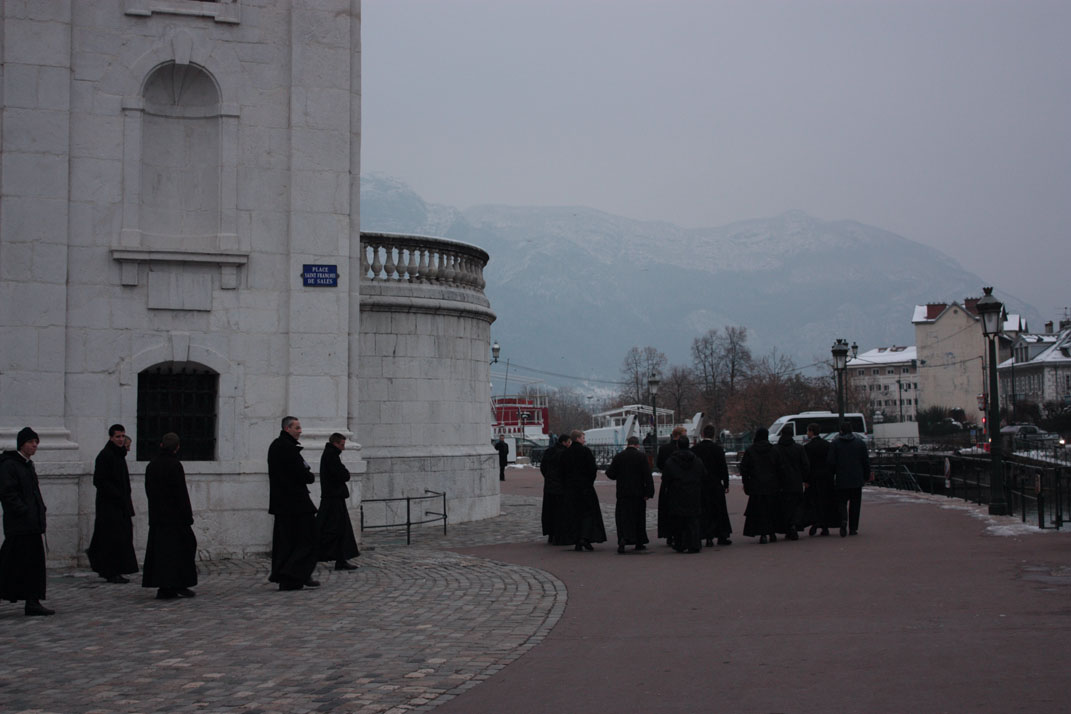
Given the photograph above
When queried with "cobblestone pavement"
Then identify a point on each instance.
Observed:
(412, 628)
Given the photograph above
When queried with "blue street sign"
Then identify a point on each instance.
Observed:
(319, 276)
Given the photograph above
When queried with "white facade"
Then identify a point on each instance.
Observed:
(169, 168)
(886, 380)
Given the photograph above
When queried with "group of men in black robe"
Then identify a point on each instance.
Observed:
(571, 513)
(691, 503)
(304, 535)
(791, 486)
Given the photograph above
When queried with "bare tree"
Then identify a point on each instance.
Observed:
(680, 391)
(735, 355)
(636, 368)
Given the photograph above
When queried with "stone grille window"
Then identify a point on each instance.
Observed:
(179, 397)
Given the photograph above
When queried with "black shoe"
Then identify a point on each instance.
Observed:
(793, 535)
(117, 579)
(814, 529)
(290, 586)
(762, 540)
(620, 549)
(853, 532)
(641, 547)
(825, 531)
(185, 592)
(773, 537)
(310, 583)
(843, 532)
(724, 541)
(166, 594)
(710, 542)
(578, 547)
(35, 609)
(343, 565)
(587, 545)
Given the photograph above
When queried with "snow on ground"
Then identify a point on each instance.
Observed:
(995, 525)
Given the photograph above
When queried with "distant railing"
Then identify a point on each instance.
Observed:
(408, 522)
(1036, 491)
(421, 260)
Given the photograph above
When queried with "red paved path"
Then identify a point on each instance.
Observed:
(925, 611)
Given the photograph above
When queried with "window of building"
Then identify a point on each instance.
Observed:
(890, 370)
(875, 371)
(179, 397)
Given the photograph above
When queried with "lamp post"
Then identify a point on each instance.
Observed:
(525, 416)
(840, 363)
(496, 350)
(992, 311)
(652, 386)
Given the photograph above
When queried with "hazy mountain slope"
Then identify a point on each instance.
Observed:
(575, 288)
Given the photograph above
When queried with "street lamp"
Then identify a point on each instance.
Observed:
(525, 416)
(652, 386)
(496, 350)
(840, 363)
(992, 312)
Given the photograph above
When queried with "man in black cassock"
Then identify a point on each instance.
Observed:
(111, 551)
(334, 529)
(554, 513)
(635, 487)
(579, 471)
(665, 521)
(293, 542)
(171, 551)
(683, 478)
(503, 457)
(820, 498)
(715, 517)
(22, 556)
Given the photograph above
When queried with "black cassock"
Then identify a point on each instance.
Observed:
(634, 486)
(820, 496)
(293, 537)
(554, 516)
(111, 550)
(582, 503)
(333, 526)
(22, 556)
(171, 551)
(683, 479)
(714, 521)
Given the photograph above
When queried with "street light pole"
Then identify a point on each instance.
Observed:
(840, 362)
(991, 310)
(652, 385)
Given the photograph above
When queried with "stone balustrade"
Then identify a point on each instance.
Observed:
(421, 259)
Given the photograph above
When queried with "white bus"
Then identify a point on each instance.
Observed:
(828, 425)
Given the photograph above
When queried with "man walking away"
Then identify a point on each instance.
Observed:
(632, 472)
(683, 478)
(579, 471)
(715, 518)
(554, 512)
(850, 462)
(111, 551)
(820, 498)
(22, 556)
(171, 551)
(796, 467)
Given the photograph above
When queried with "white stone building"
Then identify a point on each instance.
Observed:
(180, 250)
(887, 379)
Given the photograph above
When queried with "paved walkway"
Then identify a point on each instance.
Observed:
(935, 607)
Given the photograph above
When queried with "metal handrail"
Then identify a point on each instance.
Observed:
(409, 522)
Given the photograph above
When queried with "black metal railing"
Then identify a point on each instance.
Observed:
(409, 522)
(1039, 492)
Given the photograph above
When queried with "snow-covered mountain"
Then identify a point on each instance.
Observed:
(574, 288)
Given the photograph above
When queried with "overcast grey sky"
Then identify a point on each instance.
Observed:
(946, 121)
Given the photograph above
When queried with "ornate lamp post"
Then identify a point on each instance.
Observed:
(992, 312)
(525, 416)
(652, 386)
(496, 350)
(840, 363)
